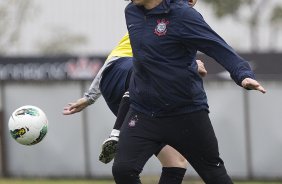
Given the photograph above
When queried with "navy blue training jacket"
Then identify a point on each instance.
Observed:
(165, 41)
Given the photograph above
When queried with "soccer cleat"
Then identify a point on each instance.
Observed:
(109, 148)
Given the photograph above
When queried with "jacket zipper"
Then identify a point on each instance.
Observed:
(141, 48)
(143, 31)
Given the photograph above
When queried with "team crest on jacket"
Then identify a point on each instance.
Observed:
(161, 28)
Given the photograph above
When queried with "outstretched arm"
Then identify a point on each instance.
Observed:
(197, 34)
(90, 96)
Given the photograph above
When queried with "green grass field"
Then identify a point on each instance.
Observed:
(75, 181)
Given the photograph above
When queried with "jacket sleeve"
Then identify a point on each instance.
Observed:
(94, 91)
(197, 34)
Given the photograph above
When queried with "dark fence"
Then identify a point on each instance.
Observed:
(50, 68)
(267, 66)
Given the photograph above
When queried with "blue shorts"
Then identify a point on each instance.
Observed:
(115, 82)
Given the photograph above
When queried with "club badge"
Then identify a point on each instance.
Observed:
(133, 121)
(161, 28)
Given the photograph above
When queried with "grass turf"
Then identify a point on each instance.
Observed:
(76, 181)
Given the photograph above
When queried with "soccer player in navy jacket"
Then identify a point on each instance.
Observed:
(168, 101)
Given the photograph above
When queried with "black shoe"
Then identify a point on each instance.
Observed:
(109, 148)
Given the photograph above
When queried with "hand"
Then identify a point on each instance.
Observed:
(249, 83)
(75, 107)
(201, 68)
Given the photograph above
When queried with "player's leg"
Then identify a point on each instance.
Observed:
(174, 165)
(196, 141)
(109, 145)
(136, 145)
(122, 111)
(113, 87)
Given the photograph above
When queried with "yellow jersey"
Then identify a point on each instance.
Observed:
(123, 49)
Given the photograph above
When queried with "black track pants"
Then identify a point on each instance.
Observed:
(191, 134)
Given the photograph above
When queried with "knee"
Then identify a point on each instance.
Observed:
(174, 161)
(124, 173)
(179, 162)
(182, 163)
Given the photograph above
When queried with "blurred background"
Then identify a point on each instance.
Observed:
(51, 50)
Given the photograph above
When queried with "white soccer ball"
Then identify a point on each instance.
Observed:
(28, 125)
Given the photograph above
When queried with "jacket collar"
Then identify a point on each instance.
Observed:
(163, 7)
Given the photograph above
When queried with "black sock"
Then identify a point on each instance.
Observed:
(172, 175)
(122, 111)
